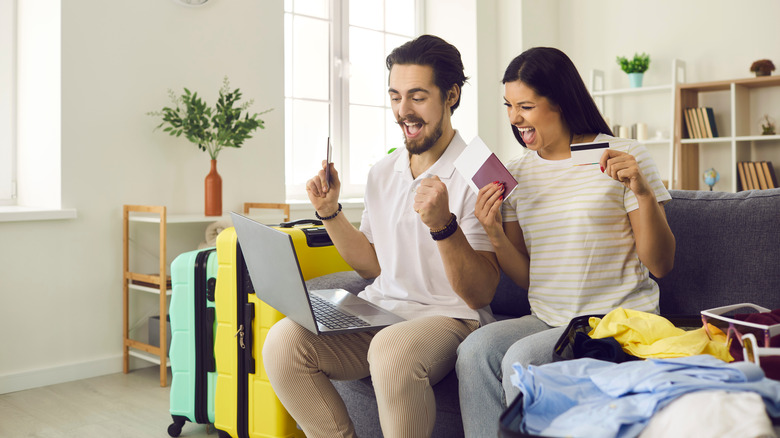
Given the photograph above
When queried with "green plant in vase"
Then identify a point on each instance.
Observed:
(635, 67)
(227, 124)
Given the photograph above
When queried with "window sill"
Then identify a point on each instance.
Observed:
(15, 213)
(345, 203)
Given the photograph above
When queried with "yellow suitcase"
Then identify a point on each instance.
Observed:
(245, 403)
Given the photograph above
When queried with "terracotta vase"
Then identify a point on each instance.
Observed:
(213, 192)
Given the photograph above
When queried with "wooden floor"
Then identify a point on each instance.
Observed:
(117, 405)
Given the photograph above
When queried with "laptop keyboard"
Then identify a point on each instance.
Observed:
(331, 317)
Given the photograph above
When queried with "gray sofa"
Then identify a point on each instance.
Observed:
(728, 251)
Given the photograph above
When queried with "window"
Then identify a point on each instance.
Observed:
(32, 82)
(336, 86)
(7, 100)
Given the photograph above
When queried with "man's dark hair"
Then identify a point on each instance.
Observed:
(440, 55)
(551, 74)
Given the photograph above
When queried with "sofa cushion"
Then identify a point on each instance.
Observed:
(361, 404)
(348, 280)
(728, 250)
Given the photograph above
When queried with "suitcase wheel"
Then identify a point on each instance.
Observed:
(175, 428)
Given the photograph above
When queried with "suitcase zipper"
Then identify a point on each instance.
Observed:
(201, 336)
(242, 404)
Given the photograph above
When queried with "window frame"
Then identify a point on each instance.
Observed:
(339, 98)
(8, 84)
(37, 102)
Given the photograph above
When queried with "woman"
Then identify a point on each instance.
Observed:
(581, 239)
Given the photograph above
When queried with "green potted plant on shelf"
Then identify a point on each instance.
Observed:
(635, 67)
(211, 129)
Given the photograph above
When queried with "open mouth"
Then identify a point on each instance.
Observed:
(411, 127)
(528, 134)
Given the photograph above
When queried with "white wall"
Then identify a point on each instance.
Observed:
(717, 38)
(454, 20)
(505, 29)
(60, 281)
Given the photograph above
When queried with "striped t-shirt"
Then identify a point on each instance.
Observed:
(579, 239)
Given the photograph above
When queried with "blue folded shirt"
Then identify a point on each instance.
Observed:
(604, 399)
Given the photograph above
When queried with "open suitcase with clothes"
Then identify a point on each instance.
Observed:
(576, 395)
(246, 405)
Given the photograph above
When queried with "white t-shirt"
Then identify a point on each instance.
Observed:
(413, 282)
(579, 238)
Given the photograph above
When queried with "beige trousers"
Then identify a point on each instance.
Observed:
(404, 360)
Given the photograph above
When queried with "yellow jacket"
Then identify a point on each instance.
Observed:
(647, 335)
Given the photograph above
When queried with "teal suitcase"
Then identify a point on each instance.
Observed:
(192, 314)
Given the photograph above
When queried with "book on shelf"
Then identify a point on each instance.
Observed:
(753, 177)
(769, 172)
(702, 119)
(756, 175)
(710, 120)
(694, 123)
(760, 174)
(700, 122)
(688, 124)
(695, 133)
(705, 122)
(743, 181)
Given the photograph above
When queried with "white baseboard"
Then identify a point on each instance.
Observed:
(59, 374)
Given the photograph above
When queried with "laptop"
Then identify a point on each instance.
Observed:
(277, 279)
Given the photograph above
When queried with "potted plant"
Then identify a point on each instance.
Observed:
(767, 125)
(228, 124)
(635, 67)
(762, 67)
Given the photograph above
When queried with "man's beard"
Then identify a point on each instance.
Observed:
(424, 144)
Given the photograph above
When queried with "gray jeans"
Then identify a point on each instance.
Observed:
(484, 368)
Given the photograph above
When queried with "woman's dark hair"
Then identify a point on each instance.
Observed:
(440, 55)
(551, 74)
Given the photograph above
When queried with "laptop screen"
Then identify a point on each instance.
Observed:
(273, 266)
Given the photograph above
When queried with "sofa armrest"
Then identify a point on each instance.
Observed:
(348, 280)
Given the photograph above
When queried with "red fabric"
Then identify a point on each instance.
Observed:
(770, 364)
(766, 318)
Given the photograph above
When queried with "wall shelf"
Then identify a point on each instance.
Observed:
(638, 90)
(740, 125)
(151, 283)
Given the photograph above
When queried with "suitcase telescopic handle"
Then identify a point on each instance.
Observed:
(300, 222)
(249, 317)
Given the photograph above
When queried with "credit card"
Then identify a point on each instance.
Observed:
(327, 164)
(587, 153)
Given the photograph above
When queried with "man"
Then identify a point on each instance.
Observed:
(432, 261)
